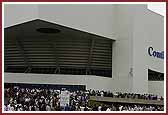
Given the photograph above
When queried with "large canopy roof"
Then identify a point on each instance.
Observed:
(42, 47)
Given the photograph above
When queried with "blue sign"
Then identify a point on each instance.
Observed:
(156, 54)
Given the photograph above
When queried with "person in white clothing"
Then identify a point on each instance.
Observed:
(108, 109)
(120, 108)
(99, 108)
(102, 94)
(82, 108)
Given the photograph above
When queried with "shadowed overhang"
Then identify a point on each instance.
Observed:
(39, 46)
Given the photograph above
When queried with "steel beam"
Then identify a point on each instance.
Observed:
(90, 56)
(22, 51)
(54, 50)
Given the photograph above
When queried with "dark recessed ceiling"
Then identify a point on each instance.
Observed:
(69, 51)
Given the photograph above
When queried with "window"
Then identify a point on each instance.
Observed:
(155, 76)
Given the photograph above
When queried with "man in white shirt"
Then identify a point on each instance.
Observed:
(108, 109)
(102, 94)
(120, 108)
(99, 108)
(82, 108)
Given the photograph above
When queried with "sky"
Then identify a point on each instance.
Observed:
(158, 8)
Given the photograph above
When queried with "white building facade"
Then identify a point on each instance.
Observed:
(133, 27)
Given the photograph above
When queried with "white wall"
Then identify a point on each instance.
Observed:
(140, 78)
(123, 47)
(155, 35)
(92, 18)
(156, 87)
(136, 29)
(91, 82)
(148, 31)
(19, 13)
(96, 19)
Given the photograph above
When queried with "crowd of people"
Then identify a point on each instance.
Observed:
(37, 99)
(127, 107)
(124, 95)
(40, 99)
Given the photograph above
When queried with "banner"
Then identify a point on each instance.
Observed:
(64, 98)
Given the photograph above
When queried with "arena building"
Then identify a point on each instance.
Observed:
(116, 47)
